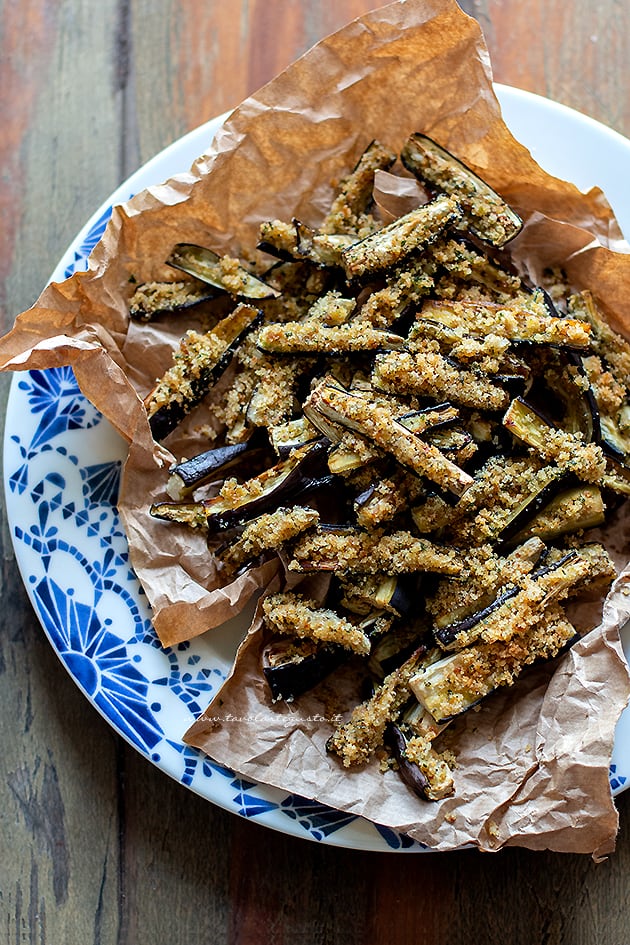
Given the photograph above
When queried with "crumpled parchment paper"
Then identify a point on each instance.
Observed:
(533, 762)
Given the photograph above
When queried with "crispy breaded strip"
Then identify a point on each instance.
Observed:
(371, 553)
(487, 214)
(428, 373)
(567, 450)
(380, 425)
(355, 194)
(609, 344)
(269, 532)
(458, 344)
(409, 282)
(307, 338)
(433, 765)
(387, 497)
(195, 353)
(273, 398)
(512, 321)
(483, 575)
(195, 364)
(456, 683)
(465, 266)
(295, 616)
(516, 612)
(357, 739)
(394, 242)
(153, 297)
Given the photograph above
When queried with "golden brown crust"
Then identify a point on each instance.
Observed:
(302, 618)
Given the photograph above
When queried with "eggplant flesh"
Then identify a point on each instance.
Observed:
(616, 477)
(356, 192)
(430, 418)
(572, 510)
(538, 497)
(395, 594)
(569, 402)
(527, 423)
(206, 266)
(298, 241)
(615, 443)
(286, 437)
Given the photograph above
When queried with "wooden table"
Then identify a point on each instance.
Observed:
(96, 844)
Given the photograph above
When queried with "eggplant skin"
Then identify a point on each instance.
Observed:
(288, 681)
(303, 473)
(192, 473)
(195, 370)
(489, 217)
(411, 774)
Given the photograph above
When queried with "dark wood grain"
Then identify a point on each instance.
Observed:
(98, 845)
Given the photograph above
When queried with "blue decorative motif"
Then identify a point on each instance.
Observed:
(398, 841)
(248, 804)
(55, 400)
(617, 780)
(320, 821)
(101, 483)
(55, 395)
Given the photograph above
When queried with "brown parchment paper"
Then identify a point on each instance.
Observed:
(533, 770)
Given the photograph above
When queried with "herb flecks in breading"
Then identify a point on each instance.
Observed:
(269, 532)
(372, 553)
(293, 615)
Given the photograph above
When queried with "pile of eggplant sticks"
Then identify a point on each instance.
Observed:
(420, 435)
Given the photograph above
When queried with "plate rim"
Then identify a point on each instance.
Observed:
(187, 145)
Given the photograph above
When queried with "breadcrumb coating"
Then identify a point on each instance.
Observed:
(153, 297)
(302, 618)
(372, 553)
(428, 373)
(196, 353)
(511, 321)
(392, 243)
(452, 686)
(357, 739)
(269, 532)
(292, 337)
(348, 211)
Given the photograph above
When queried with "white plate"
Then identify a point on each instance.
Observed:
(61, 470)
